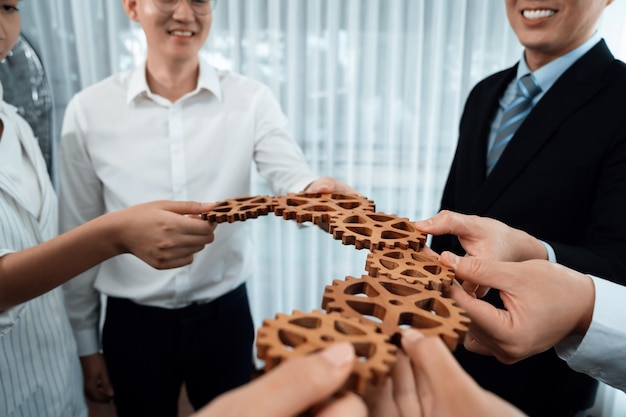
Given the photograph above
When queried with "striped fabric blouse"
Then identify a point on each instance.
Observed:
(39, 370)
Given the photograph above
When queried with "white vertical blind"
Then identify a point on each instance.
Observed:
(373, 88)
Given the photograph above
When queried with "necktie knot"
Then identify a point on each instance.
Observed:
(528, 87)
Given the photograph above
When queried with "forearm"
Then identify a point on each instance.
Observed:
(34, 271)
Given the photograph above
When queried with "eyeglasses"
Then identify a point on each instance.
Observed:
(199, 7)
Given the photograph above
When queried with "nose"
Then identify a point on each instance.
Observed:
(183, 11)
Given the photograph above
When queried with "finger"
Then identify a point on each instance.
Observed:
(479, 271)
(445, 222)
(482, 291)
(93, 393)
(473, 345)
(193, 227)
(348, 404)
(171, 263)
(429, 252)
(404, 387)
(380, 401)
(429, 358)
(470, 287)
(322, 187)
(301, 382)
(343, 188)
(96, 392)
(483, 314)
(434, 367)
(185, 207)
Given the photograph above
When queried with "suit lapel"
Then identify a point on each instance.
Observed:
(579, 84)
(477, 153)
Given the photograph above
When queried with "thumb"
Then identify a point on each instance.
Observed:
(479, 271)
(300, 382)
(482, 314)
(444, 222)
(324, 373)
(187, 207)
(432, 362)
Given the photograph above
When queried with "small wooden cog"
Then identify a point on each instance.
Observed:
(390, 305)
(413, 267)
(376, 231)
(240, 209)
(319, 207)
(286, 337)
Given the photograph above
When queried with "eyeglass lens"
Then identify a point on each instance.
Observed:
(200, 7)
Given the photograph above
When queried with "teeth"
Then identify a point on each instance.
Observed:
(181, 33)
(537, 14)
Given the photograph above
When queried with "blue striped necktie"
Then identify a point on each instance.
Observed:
(513, 117)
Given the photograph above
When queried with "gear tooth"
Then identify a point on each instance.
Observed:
(268, 322)
(280, 317)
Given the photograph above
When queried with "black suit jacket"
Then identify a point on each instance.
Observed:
(562, 178)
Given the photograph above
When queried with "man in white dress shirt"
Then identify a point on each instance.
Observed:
(174, 128)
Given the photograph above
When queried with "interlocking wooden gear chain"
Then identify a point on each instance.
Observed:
(403, 287)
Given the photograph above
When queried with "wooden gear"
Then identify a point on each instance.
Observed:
(301, 333)
(413, 267)
(390, 304)
(404, 287)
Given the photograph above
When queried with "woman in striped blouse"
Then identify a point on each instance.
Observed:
(39, 370)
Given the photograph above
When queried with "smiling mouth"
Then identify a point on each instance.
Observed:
(538, 14)
(185, 33)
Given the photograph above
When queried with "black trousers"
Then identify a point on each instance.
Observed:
(150, 352)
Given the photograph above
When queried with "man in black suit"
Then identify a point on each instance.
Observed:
(561, 177)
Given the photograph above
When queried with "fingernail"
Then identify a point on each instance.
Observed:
(411, 335)
(339, 354)
(450, 258)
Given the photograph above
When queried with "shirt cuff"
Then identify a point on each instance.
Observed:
(601, 352)
(87, 341)
(551, 254)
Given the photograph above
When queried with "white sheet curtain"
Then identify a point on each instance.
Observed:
(373, 89)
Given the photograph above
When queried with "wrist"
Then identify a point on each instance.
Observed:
(110, 231)
(588, 294)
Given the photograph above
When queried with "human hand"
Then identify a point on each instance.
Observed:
(330, 185)
(484, 237)
(96, 379)
(293, 387)
(544, 303)
(427, 381)
(164, 234)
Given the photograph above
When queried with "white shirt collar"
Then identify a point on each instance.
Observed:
(208, 80)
